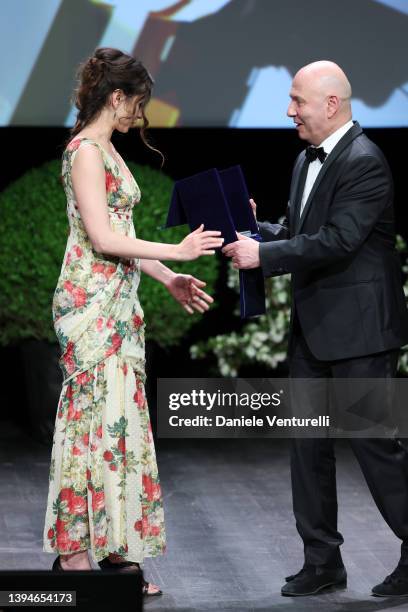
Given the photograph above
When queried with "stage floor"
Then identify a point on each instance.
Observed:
(231, 534)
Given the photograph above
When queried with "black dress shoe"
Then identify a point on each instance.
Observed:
(394, 585)
(314, 579)
(292, 576)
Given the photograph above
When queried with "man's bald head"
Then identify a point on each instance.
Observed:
(320, 103)
(328, 77)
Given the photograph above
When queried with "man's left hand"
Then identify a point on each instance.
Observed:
(244, 253)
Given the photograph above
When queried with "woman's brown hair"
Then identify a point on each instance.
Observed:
(100, 75)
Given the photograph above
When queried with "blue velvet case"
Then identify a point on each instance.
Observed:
(220, 200)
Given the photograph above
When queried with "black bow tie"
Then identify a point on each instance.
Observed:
(313, 153)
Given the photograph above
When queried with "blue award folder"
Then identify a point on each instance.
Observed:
(220, 200)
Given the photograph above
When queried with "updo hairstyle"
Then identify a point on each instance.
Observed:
(100, 75)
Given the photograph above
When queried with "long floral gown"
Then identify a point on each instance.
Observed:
(104, 491)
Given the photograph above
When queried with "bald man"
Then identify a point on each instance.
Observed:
(349, 315)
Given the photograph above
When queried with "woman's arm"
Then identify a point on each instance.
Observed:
(88, 180)
(157, 270)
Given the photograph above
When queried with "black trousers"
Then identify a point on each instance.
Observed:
(384, 463)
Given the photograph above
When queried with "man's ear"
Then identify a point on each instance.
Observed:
(333, 104)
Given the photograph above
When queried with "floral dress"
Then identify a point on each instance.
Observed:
(104, 491)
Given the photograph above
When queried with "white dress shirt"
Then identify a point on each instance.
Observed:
(314, 166)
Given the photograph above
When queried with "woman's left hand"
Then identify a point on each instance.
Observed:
(187, 290)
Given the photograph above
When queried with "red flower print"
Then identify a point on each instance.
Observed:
(137, 321)
(109, 270)
(151, 489)
(110, 182)
(65, 495)
(110, 322)
(78, 250)
(98, 268)
(82, 378)
(71, 410)
(99, 431)
(108, 455)
(79, 296)
(99, 324)
(50, 534)
(93, 447)
(154, 530)
(68, 358)
(85, 439)
(116, 340)
(98, 501)
(76, 451)
(77, 505)
(68, 286)
(89, 479)
(113, 467)
(146, 482)
(144, 526)
(101, 541)
(74, 144)
(125, 369)
(139, 397)
(74, 545)
(77, 415)
(63, 541)
(122, 445)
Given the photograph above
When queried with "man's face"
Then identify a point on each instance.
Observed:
(308, 109)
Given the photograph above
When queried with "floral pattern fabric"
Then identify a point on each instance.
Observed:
(104, 490)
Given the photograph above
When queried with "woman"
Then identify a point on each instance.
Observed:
(104, 491)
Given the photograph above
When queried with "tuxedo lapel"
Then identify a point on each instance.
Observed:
(339, 148)
(295, 198)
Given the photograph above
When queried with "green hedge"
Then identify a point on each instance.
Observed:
(33, 233)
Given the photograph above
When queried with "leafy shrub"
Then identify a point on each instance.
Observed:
(262, 340)
(33, 233)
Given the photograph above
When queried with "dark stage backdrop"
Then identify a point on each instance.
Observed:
(266, 156)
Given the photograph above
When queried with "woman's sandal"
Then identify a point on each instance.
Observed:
(56, 566)
(128, 566)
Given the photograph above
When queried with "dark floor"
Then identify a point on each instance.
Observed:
(231, 535)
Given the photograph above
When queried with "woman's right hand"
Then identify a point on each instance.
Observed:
(198, 243)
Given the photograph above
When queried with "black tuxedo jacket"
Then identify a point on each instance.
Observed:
(346, 274)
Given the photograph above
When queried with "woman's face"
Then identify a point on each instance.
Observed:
(128, 113)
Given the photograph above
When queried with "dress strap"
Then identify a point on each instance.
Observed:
(74, 146)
